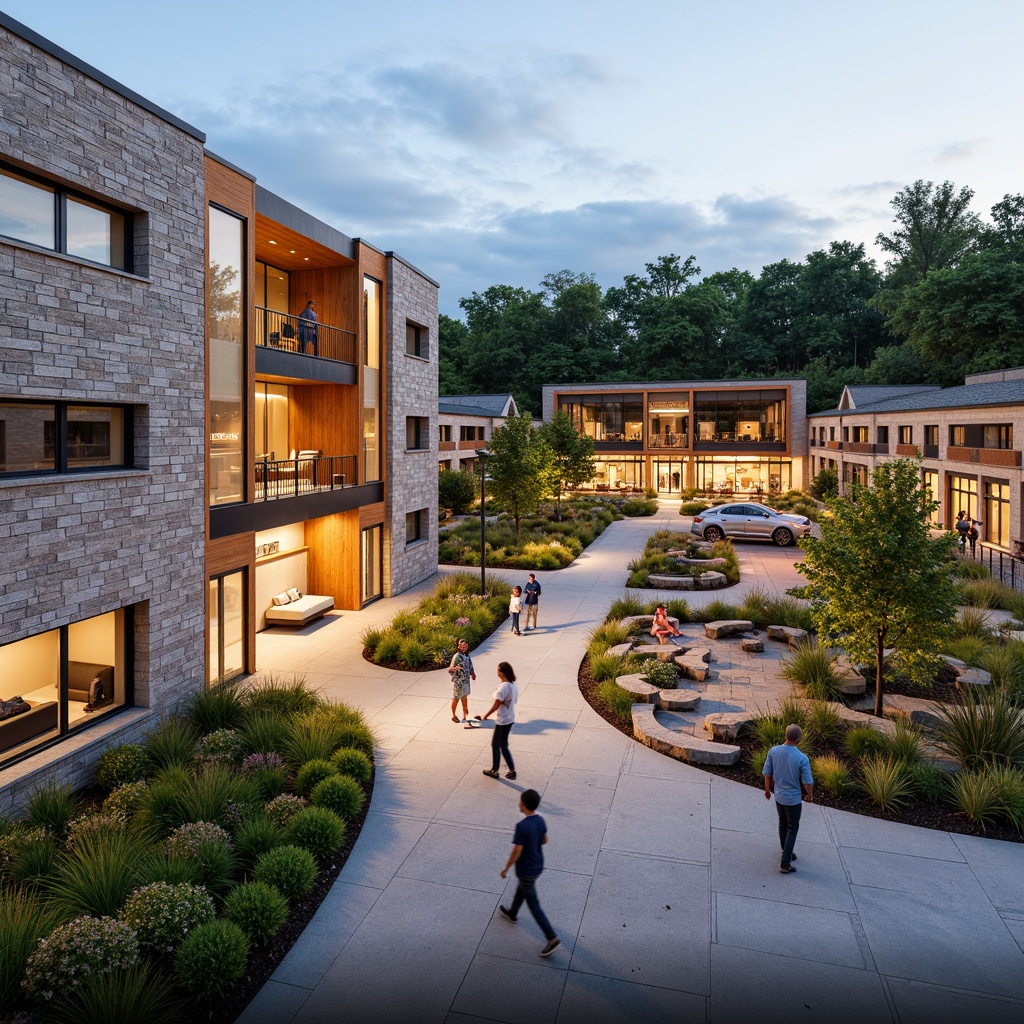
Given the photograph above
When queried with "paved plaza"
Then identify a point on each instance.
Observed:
(662, 881)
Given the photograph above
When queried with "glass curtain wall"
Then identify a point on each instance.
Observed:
(371, 379)
(995, 529)
(757, 477)
(740, 416)
(615, 418)
(963, 496)
(225, 318)
(669, 419)
(271, 415)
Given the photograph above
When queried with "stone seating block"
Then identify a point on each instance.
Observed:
(638, 686)
(678, 699)
(958, 666)
(752, 645)
(693, 667)
(787, 634)
(671, 582)
(712, 580)
(726, 726)
(661, 652)
(710, 563)
(649, 731)
(726, 627)
(973, 677)
(620, 650)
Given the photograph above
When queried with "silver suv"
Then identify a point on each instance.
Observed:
(748, 521)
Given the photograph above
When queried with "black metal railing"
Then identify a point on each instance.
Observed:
(1004, 566)
(293, 334)
(306, 474)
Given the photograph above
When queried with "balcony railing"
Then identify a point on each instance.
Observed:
(668, 440)
(984, 456)
(293, 334)
(307, 474)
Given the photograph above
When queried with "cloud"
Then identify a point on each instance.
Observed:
(962, 149)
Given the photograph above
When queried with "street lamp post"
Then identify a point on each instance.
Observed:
(483, 455)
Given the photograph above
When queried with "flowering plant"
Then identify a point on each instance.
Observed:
(92, 823)
(256, 763)
(462, 620)
(222, 746)
(283, 808)
(124, 801)
(189, 839)
(162, 914)
(78, 950)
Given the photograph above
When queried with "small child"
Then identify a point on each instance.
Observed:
(515, 606)
(528, 857)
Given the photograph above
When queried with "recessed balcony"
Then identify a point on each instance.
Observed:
(308, 473)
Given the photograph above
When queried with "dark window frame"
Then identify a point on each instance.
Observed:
(417, 431)
(417, 340)
(61, 194)
(418, 532)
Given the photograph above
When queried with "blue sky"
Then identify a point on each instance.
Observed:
(495, 143)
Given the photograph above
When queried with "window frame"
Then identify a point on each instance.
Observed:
(415, 527)
(61, 194)
(420, 433)
(417, 340)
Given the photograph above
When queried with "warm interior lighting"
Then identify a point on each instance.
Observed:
(271, 241)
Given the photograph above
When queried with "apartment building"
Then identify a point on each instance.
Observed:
(465, 423)
(726, 437)
(178, 443)
(968, 437)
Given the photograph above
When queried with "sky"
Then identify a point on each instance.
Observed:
(494, 143)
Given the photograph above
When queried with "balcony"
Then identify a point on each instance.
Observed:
(864, 447)
(668, 440)
(907, 451)
(286, 333)
(1004, 457)
(309, 473)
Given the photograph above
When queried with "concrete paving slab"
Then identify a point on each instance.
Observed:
(570, 791)
(955, 881)
(552, 696)
(646, 918)
(806, 933)
(494, 803)
(781, 989)
(860, 831)
(421, 777)
(507, 990)
(910, 936)
(589, 999)
(917, 1003)
(743, 864)
(742, 808)
(998, 867)
(660, 818)
(384, 843)
(275, 1003)
(468, 858)
(647, 763)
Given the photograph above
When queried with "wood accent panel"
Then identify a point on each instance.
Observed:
(372, 515)
(325, 288)
(229, 554)
(286, 239)
(325, 417)
(1007, 457)
(333, 562)
(374, 264)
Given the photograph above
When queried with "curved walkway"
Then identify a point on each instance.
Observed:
(662, 881)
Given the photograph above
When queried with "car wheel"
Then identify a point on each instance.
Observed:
(713, 533)
(782, 537)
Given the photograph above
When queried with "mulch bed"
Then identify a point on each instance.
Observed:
(916, 812)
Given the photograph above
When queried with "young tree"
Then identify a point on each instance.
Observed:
(877, 578)
(456, 490)
(572, 456)
(518, 466)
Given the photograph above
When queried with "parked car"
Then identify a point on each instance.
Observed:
(748, 521)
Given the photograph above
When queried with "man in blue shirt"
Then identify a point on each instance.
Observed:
(786, 769)
(531, 594)
(308, 329)
(528, 857)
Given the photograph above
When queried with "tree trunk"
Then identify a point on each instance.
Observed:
(879, 663)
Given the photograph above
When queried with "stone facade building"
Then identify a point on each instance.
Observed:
(465, 423)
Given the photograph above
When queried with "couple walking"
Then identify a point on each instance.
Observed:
(506, 697)
(524, 597)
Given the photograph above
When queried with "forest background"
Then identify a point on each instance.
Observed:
(948, 302)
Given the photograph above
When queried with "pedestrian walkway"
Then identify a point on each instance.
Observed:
(662, 881)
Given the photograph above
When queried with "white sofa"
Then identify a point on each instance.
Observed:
(298, 611)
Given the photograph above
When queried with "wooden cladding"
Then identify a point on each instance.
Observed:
(333, 289)
(333, 565)
(326, 418)
(275, 242)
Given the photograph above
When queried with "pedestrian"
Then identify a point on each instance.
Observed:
(308, 329)
(662, 628)
(461, 670)
(786, 768)
(504, 711)
(531, 594)
(962, 527)
(528, 858)
(973, 534)
(515, 606)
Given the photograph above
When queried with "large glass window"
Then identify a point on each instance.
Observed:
(668, 417)
(724, 474)
(271, 415)
(930, 483)
(371, 379)
(54, 218)
(373, 560)
(963, 496)
(740, 416)
(995, 528)
(225, 318)
(227, 627)
(56, 437)
(62, 680)
(611, 418)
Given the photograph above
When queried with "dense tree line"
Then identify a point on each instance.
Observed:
(949, 301)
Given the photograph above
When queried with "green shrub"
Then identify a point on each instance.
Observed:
(211, 958)
(970, 649)
(163, 914)
(282, 695)
(825, 484)
(340, 794)
(253, 837)
(24, 920)
(1010, 782)
(311, 739)
(987, 593)
(171, 743)
(220, 707)
(290, 870)
(972, 622)
(138, 993)
(283, 808)
(755, 607)
(157, 866)
(456, 491)
(127, 762)
(258, 909)
(98, 873)
(863, 741)
(267, 772)
(717, 609)
(983, 730)
(691, 508)
(929, 781)
(415, 654)
(812, 666)
(678, 608)
(354, 763)
(769, 731)
(222, 746)
(758, 758)
(311, 774)
(124, 802)
(208, 847)
(618, 699)
(371, 637)
(357, 736)
(175, 797)
(316, 829)
(978, 795)
(886, 781)
(639, 507)
(94, 821)
(789, 611)
(824, 725)
(832, 774)
(82, 948)
(662, 674)
(724, 549)
(51, 807)
(1006, 666)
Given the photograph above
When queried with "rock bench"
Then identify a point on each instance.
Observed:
(649, 731)
(668, 700)
(710, 580)
(726, 726)
(726, 627)
(787, 634)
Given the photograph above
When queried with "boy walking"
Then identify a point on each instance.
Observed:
(528, 857)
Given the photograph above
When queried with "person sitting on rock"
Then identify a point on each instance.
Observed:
(662, 628)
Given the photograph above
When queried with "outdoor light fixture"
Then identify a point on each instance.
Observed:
(483, 455)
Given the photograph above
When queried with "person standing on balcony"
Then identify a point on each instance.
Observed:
(308, 328)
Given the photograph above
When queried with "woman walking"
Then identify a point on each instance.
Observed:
(515, 606)
(504, 711)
